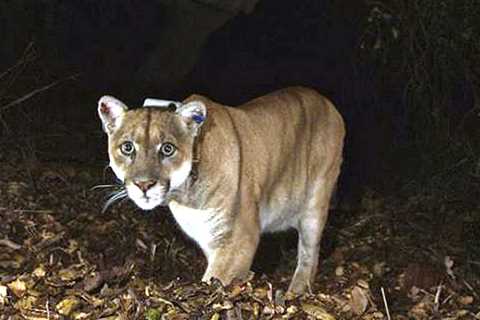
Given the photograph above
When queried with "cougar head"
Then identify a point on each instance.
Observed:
(150, 149)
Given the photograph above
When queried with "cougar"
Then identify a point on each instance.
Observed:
(230, 173)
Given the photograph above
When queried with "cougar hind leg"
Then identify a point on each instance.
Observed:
(310, 229)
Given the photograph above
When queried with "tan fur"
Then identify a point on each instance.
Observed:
(268, 165)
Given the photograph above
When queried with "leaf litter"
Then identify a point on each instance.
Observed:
(60, 258)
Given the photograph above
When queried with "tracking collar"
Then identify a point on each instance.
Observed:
(160, 103)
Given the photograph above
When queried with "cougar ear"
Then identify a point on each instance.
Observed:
(193, 114)
(109, 110)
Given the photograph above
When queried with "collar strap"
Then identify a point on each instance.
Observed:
(196, 155)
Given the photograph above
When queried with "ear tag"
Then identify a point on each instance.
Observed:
(198, 118)
(160, 103)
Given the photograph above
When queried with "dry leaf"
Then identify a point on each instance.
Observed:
(317, 312)
(26, 303)
(339, 271)
(379, 269)
(73, 272)
(292, 310)
(363, 284)
(216, 316)
(81, 315)
(260, 293)
(359, 301)
(462, 313)
(466, 300)
(419, 311)
(15, 188)
(18, 287)
(67, 306)
(3, 295)
(39, 271)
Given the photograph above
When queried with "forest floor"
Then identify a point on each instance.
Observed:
(415, 257)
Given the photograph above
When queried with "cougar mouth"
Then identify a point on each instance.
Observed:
(149, 199)
(148, 203)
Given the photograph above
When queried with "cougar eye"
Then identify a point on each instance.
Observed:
(167, 149)
(127, 148)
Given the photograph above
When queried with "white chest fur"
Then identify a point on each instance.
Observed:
(202, 225)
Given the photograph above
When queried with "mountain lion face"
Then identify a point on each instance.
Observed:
(150, 149)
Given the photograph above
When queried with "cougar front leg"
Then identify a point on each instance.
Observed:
(233, 258)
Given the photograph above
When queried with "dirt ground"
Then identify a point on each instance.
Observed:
(414, 257)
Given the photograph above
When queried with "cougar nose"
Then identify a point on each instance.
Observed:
(144, 185)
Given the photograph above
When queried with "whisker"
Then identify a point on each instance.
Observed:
(120, 194)
(104, 186)
(118, 191)
(111, 194)
(116, 196)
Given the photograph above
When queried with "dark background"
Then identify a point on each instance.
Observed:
(404, 74)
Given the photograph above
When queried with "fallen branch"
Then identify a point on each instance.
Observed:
(35, 92)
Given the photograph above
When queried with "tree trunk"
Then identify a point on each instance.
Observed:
(189, 24)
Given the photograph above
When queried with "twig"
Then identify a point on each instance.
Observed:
(9, 243)
(32, 211)
(449, 265)
(385, 303)
(474, 262)
(28, 57)
(448, 298)
(48, 241)
(35, 92)
(437, 298)
(470, 288)
(153, 251)
(20, 62)
(47, 306)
